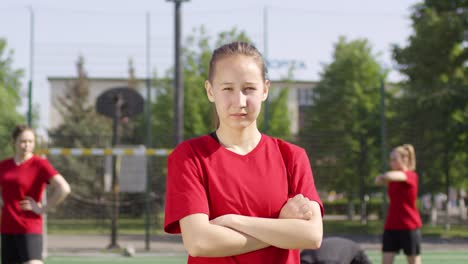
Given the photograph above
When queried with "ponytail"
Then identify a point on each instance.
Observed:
(411, 156)
(407, 154)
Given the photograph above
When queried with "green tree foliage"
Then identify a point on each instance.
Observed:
(279, 118)
(10, 99)
(341, 127)
(434, 100)
(82, 127)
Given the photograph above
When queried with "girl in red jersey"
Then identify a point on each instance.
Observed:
(237, 195)
(22, 181)
(403, 223)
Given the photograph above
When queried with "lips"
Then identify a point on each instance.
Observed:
(239, 115)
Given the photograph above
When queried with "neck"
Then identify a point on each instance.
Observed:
(19, 158)
(403, 168)
(239, 140)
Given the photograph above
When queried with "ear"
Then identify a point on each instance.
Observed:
(209, 91)
(266, 89)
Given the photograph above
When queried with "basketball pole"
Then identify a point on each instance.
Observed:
(148, 133)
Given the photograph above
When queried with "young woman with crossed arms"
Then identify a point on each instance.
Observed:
(237, 195)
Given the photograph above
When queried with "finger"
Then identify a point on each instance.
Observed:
(25, 203)
(298, 197)
(308, 215)
(26, 208)
(305, 208)
(29, 198)
(302, 202)
(301, 198)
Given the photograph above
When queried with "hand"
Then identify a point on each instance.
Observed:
(223, 220)
(29, 204)
(297, 207)
(380, 180)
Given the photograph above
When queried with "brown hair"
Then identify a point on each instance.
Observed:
(237, 48)
(407, 151)
(18, 130)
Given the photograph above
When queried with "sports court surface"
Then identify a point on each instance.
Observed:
(429, 257)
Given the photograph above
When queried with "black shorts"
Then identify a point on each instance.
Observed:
(408, 240)
(21, 248)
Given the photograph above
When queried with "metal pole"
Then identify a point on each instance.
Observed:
(265, 55)
(31, 68)
(383, 135)
(45, 251)
(115, 179)
(148, 132)
(178, 77)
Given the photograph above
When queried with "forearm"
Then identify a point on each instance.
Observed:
(55, 198)
(59, 191)
(203, 239)
(394, 176)
(281, 233)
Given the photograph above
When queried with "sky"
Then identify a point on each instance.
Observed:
(109, 32)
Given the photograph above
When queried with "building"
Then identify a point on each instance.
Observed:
(300, 94)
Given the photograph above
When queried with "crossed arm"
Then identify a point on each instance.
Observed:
(298, 226)
(389, 176)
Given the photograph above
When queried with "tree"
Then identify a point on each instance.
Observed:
(279, 123)
(342, 125)
(82, 127)
(435, 93)
(10, 98)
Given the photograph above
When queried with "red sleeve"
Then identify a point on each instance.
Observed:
(46, 171)
(411, 178)
(185, 189)
(301, 178)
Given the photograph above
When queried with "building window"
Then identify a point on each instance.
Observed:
(304, 96)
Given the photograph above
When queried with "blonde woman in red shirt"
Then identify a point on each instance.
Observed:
(403, 223)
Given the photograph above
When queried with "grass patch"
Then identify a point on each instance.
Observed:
(135, 226)
(352, 227)
(429, 257)
(434, 257)
(456, 231)
(376, 228)
(116, 259)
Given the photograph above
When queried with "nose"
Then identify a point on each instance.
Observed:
(241, 99)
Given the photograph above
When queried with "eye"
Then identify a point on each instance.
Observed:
(226, 88)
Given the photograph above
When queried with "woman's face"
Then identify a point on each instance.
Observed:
(24, 143)
(396, 162)
(237, 90)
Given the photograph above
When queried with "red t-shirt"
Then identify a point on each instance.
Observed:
(204, 177)
(402, 212)
(17, 181)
